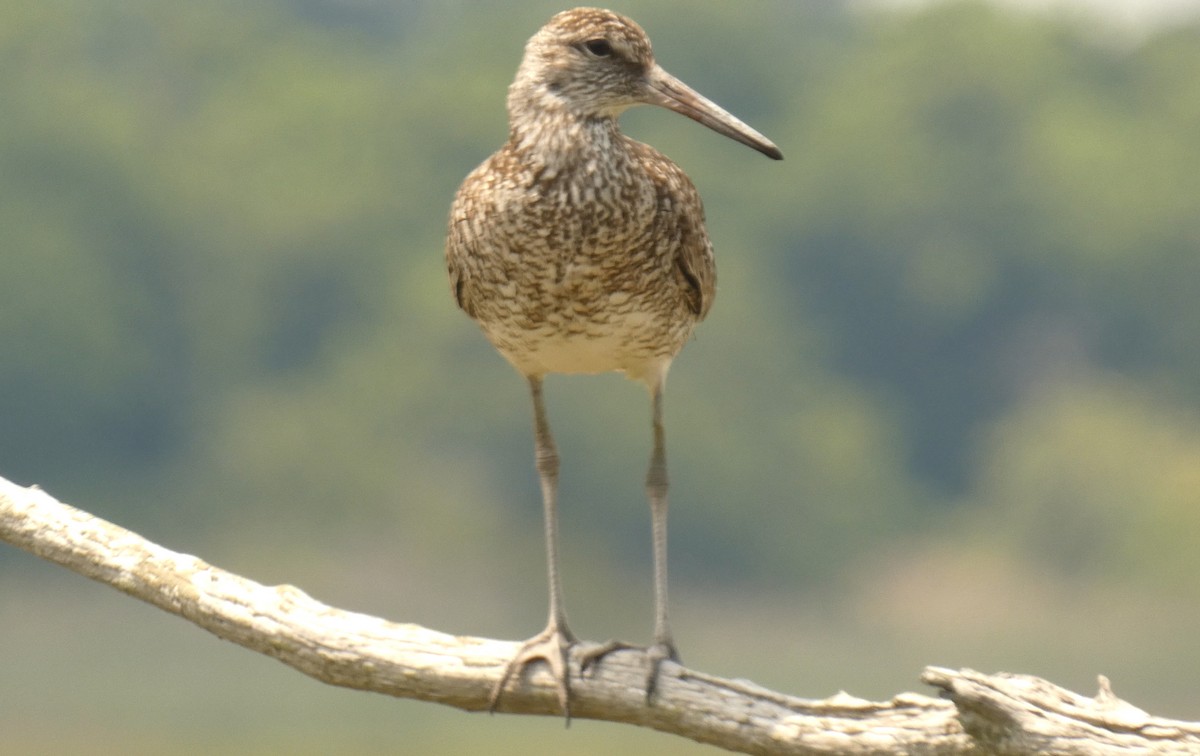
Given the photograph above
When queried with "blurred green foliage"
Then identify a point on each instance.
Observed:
(964, 305)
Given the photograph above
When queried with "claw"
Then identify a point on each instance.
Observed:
(590, 655)
(553, 646)
(655, 656)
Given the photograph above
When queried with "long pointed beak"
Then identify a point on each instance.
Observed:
(665, 90)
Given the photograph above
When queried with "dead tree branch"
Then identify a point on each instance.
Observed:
(985, 714)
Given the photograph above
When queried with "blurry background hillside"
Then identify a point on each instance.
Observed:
(946, 409)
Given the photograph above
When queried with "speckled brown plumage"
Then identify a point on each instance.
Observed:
(604, 265)
(580, 250)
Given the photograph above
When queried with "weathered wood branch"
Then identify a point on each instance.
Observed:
(985, 714)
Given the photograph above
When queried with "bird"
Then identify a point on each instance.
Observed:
(578, 249)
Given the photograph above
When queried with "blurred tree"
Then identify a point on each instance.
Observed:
(1097, 479)
(223, 228)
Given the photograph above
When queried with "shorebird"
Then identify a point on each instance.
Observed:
(580, 250)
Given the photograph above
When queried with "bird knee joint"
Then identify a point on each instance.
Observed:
(547, 462)
(656, 483)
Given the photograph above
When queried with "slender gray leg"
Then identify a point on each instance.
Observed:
(553, 644)
(546, 459)
(656, 490)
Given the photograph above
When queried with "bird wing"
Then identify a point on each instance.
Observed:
(682, 211)
(462, 244)
(694, 259)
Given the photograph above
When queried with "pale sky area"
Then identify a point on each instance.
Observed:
(1131, 15)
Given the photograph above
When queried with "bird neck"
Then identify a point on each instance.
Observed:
(548, 133)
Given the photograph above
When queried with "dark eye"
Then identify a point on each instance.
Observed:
(599, 47)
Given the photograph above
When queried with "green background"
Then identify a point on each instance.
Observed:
(945, 409)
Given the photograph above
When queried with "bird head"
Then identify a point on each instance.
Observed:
(593, 63)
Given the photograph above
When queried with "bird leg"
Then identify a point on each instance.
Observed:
(553, 644)
(656, 490)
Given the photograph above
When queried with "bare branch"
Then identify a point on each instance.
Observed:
(986, 714)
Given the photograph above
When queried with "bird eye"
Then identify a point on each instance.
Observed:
(599, 47)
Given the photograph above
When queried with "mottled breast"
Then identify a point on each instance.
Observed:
(599, 264)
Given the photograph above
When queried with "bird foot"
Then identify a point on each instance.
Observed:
(553, 646)
(656, 654)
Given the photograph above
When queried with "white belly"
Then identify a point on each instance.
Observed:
(636, 344)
